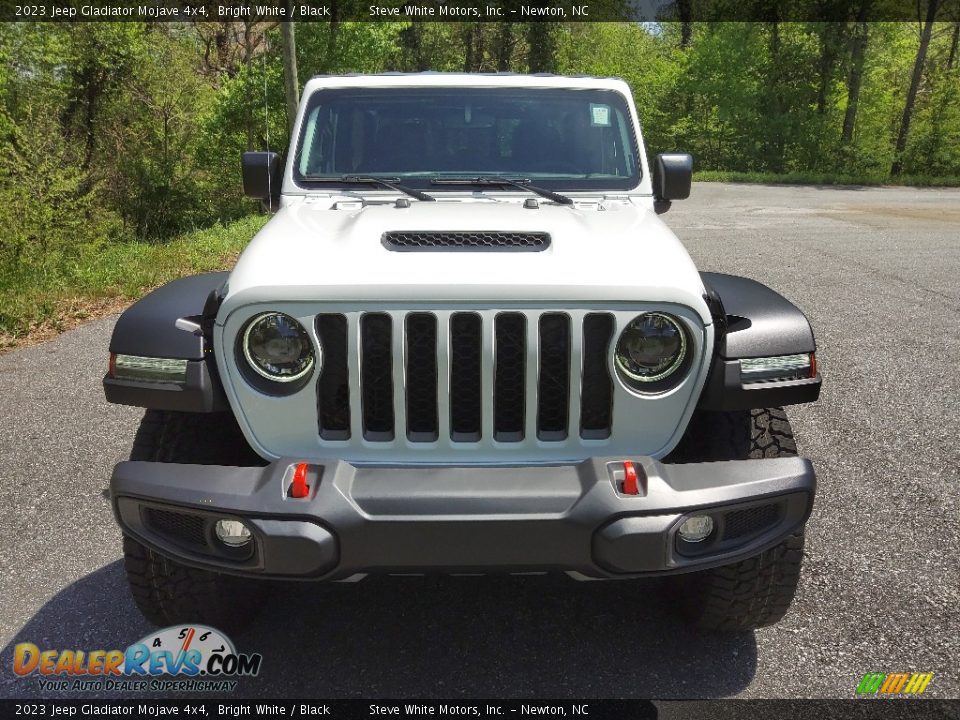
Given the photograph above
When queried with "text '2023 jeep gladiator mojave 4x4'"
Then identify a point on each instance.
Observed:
(465, 342)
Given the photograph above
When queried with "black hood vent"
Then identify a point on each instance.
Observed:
(471, 241)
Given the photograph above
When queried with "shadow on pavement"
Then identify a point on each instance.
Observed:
(437, 637)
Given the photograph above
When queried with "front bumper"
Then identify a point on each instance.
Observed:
(463, 519)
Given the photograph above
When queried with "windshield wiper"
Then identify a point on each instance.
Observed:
(392, 183)
(521, 183)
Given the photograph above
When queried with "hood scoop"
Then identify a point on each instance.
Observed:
(468, 241)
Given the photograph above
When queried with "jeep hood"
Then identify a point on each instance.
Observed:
(319, 249)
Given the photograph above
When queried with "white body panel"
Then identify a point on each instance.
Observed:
(322, 252)
(606, 251)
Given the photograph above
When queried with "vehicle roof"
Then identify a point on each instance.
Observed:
(445, 79)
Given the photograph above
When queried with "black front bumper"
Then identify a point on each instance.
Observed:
(463, 519)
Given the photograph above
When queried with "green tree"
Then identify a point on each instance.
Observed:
(156, 180)
(931, 13)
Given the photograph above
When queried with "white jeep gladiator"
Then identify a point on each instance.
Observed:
(465, 342)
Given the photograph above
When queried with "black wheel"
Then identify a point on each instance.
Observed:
(758, 591)
(166, 591)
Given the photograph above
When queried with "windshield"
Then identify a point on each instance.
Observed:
(555, 138)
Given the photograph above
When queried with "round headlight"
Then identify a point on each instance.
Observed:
(277, 347)
(651, 348)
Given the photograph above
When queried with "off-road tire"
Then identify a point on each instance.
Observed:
(758, 591)
(196, 438)
(166, 591)
(741, 435)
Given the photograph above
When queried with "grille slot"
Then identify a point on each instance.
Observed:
(376, 376)
(509, 376)
(182, 527)
(333, 389)
(596, 395)
(421, 377)
(421, 241)
(553, 393)
(740, 523)
(466, 362)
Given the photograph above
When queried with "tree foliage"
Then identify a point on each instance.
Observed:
(126, 130)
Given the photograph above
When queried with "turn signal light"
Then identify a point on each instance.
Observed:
(147, 369)
(779, 367)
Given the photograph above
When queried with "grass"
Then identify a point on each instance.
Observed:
(40, 299)
(806, 178)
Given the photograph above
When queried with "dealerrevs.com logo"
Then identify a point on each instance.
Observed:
(204, 656)
(905, 683)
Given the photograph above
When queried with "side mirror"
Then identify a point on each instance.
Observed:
(262, 176)
(672, 173)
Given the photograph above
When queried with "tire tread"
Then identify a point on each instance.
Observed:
(758, 591)
(168, 592)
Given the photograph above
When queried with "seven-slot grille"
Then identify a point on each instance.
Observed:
(466, 376)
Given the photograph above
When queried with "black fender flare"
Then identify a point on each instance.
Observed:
(150, 328)
(753, 321)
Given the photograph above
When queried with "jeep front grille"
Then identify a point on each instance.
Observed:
(466, 376)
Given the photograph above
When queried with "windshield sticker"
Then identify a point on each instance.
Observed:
(599, 115)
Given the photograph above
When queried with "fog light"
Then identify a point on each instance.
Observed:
(233, 533)
(696, 529)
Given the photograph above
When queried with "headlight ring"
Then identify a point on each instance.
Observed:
(651, 351)
(277, 348)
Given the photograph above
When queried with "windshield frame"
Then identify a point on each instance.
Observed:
(421, 180)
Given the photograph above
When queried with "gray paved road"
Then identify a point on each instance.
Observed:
(875, 269)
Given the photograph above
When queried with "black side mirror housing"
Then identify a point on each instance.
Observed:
(672, 174)
(262, 176)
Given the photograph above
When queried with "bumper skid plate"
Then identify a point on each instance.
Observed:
(463, 519)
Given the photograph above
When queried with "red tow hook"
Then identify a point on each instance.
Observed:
(631, 484)
(299, 487)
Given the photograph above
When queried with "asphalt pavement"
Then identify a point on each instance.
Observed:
(876, 270)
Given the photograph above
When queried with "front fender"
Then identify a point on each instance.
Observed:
(760, 321)
(149, 328)
(757, 322)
